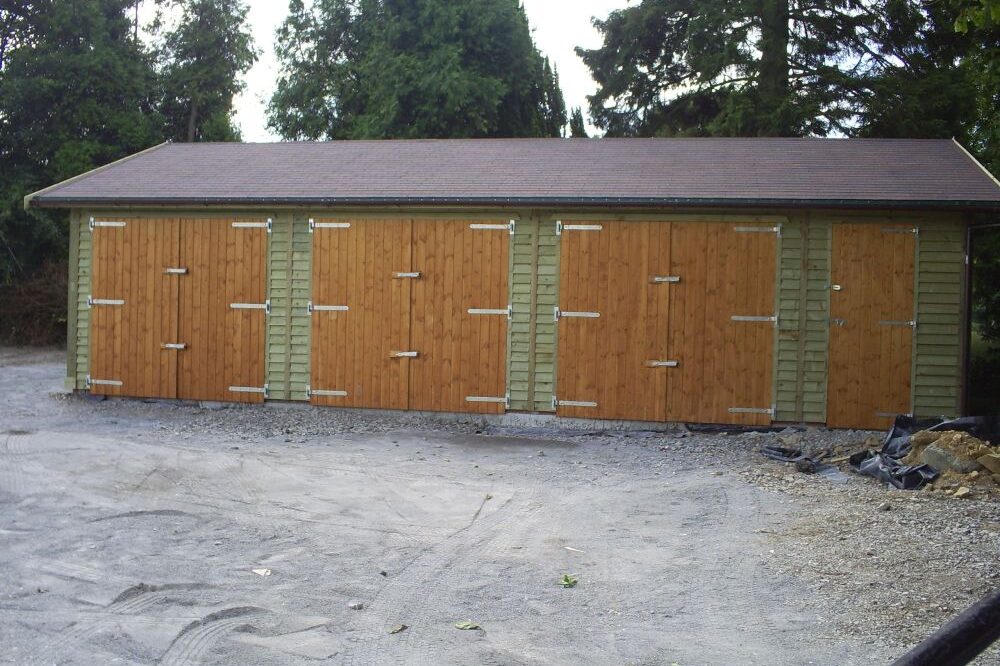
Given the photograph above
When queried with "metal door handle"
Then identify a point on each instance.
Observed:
(404, 354)
(173, 345)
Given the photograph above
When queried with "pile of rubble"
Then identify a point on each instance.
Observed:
(965, 462)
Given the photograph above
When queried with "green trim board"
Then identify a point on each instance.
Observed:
(801, 348)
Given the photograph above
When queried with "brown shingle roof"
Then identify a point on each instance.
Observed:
(875, 172)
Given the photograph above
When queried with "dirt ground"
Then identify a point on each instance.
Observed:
(139, 532)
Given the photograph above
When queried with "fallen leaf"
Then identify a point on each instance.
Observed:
(467, 625)
(398, 628)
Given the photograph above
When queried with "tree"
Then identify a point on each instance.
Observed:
(202, 59)
(412, 68)
(76, 91)
(577, 128)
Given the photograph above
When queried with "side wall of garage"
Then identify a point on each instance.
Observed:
(803, 295)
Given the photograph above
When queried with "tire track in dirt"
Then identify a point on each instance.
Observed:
(197, 638)
(12, 466)
(409, 594)
(132, 601)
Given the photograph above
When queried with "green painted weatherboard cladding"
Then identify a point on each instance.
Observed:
(803, 320)
(300, 322)
(940, 293)
(522, 291)
(82, 271)
(279, 268)
(543, 375)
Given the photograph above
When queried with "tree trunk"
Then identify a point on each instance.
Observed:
(772, 81)
(192, 120)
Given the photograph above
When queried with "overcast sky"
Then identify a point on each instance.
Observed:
(558, 25)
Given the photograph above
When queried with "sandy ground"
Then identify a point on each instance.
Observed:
(130, 532)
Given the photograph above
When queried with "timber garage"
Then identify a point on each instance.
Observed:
(730, 281)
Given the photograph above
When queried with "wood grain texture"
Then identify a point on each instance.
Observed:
(605, 360)
(352, 350)
(870, 358)
(461, 354)
(125, 340)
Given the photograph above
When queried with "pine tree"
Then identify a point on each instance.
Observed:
(202, 60)
(76, 92)
(725, 67)
(577, 128)
(412, 68)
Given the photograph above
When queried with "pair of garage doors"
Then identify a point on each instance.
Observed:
(410, 314)
(663, 321)
(177, 308)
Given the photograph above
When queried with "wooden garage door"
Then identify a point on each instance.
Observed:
(222, 309)
(722, 323)
(871, 324)
(361, 312)
(131, 314)
(459, 316)
(667, 321)
(391, 320)
(163, 294)
(613, 303)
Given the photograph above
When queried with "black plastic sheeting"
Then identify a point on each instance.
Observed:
(886, 464)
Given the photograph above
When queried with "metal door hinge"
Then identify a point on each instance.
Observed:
(175, 271)
(560, 227)
(664, 279)
(313, 225)
(310, 308)
(173, 345)
(556, 403)
(265, 306)
(101, 382)
(890, 322)
(91, 301)
(93, 224)
(404, 275)
(486, 226)
(901, 230)
(837, 321)
(508, 311)
(404, 354)
(559, 314)
(268, 224)
(752, 410)
(662, 364)
(752, 318)
(310, 392)
(836, 287)
(760, 230)
(249, 389)
(505, 401)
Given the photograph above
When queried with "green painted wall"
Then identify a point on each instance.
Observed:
(802, 300)
(940, 293)
(803, 320)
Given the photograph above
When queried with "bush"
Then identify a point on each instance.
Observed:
(33, 310)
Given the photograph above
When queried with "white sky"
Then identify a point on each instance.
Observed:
(558, 26)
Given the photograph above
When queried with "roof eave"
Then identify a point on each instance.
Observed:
(42, 201)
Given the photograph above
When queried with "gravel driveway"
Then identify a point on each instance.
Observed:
(147, 532)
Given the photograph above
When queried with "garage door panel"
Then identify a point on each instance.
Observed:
(613, 364)
(459, 319)
(355, 350)
(720, 323)
(222, 309)
(871, 334)
(128, 319)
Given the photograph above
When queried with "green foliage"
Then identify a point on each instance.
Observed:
(577, 128)
(203, 58)
(412, 69)
(722, 67)
(976, 13)
(75, 93)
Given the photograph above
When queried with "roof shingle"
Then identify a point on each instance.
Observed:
(543, 171)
